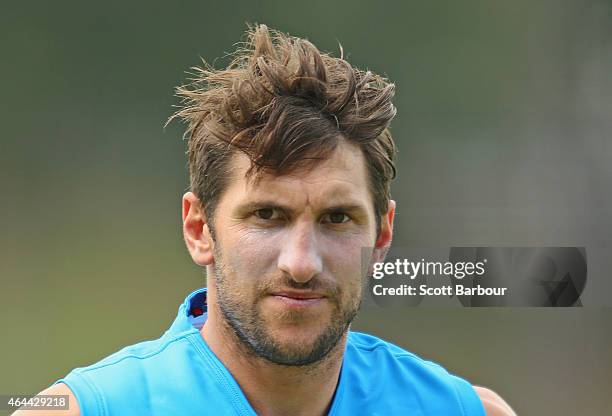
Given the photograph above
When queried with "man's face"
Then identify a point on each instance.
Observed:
(287, 256)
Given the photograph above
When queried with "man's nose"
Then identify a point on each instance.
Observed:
(299, 256)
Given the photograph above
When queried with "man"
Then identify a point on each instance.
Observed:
(290, 161)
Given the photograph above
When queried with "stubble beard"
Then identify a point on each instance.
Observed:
(249, 326)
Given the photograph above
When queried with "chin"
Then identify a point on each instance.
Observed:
(296, 336)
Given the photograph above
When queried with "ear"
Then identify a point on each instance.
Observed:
(383, 242)
(195, 231)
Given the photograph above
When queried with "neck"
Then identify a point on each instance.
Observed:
(274, 389)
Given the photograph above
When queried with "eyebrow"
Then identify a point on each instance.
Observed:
(260, 204)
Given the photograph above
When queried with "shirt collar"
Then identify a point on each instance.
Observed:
(192, 313)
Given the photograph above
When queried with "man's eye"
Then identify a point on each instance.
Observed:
(336, 218)
(266, 214)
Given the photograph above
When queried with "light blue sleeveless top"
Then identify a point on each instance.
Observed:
(178, 374)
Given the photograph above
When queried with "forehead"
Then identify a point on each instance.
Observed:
(339, 178)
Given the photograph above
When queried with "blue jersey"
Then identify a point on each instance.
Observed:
(178, 374)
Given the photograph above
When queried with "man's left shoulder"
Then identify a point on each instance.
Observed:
(493, 403)
(428, 378)
(410, 376)
(380, 349)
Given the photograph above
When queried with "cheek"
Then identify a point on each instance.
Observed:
(250, 254)
(343, 257)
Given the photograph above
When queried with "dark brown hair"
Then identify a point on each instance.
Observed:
(286, 105)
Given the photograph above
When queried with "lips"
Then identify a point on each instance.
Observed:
(299, 300)
(299, 295)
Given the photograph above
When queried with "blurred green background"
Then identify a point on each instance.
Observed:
(503, 131)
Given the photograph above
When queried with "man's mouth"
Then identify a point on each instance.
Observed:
(298, 299)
